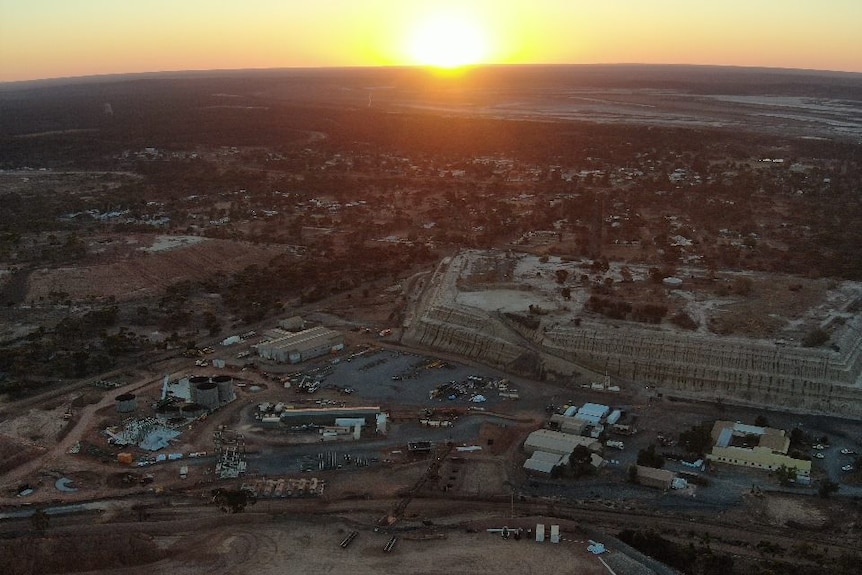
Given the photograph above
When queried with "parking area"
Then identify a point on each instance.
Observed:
(382, 376)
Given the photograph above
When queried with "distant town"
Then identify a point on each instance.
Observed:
(432, 322)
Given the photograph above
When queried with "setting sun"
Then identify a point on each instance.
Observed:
(448, 40)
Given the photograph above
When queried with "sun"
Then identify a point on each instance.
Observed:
(448, 41)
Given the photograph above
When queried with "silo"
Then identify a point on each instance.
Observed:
(126, 403)
(206, 394)
(194, 382)
(225, 388)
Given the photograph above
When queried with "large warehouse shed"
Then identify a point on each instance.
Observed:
(301, 346)
(360, 415)
(558, 443)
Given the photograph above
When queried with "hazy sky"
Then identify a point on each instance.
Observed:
(56, 38)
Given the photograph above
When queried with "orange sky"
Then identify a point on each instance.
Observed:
(58, 38)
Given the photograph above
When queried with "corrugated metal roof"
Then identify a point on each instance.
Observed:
(545, 456)
(594, 410)
(555, 441)
(303, 340)
(539, 465)
(544, 462)
(591, 419)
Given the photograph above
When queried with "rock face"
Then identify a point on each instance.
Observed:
(441, 324)
(695, 365)
(822, 380)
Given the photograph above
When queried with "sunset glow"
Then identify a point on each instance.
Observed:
(448, 40)
(57, 38)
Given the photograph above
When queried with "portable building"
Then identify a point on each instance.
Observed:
(652, 477)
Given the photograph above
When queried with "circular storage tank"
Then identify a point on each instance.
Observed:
(192, 410)
(126, 403)
(194, 382)
(168, 411)
(225, 388)
(206, 394)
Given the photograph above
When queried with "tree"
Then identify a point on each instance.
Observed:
(40, 520)
(233, 501)
(815, 338)
(562, 276)
(786, 475)
(761, 421)
(580, 461)
(827, 488)
(649, 458)
(698, 439)
(566, 293)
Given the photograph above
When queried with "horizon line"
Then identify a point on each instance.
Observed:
(157, 74)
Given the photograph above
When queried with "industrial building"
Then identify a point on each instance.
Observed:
(557, 442)
(753, 446)
(544, 463)
(570, 425)
(329, 415)
(592, 413)
(301, 346)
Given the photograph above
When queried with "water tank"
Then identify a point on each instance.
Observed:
(126, 403)
(168, 409)
(194, 382)
(192, 410)
(225, 388)
(206, 394)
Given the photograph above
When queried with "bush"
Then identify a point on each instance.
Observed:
(815, 338)
(683, 320)
(649, 458)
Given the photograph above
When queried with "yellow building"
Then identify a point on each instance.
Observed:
(752, 446)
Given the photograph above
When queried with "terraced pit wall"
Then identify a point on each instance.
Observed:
(821, 380)
(734, 370)
(439, 324)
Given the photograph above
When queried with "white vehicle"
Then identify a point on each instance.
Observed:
(846, 451)
(847, 468)
(819, 455)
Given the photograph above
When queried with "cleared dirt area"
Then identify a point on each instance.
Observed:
(263, 544)
(306, 547)
(143, 266)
